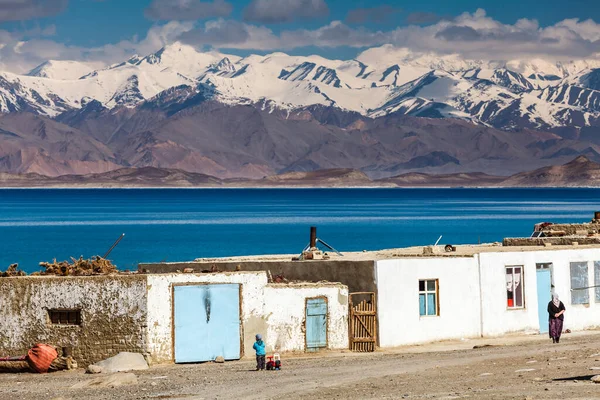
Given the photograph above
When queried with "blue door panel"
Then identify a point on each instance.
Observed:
(316, 324)
(544, 295)
(207, 322)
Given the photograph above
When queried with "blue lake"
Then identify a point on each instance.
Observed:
(183, 224)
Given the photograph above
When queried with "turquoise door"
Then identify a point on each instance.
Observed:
(544, 295)
(207, 322)
(316, 324)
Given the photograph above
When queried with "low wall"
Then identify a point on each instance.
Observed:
(285, 311)
(357, 275)
(553, 241)
(113, 315)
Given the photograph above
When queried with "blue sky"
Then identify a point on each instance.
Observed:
(105, 30)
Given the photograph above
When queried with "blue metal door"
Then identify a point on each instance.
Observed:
(316, 324)
(544, 295)
(207, 322)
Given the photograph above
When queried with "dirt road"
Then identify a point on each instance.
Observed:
(529, 368)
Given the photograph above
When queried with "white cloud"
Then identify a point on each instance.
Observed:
(18, 55)
(470, 35)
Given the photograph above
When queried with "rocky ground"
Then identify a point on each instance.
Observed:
(521, 368)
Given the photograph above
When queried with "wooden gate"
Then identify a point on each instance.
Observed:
(363, 322)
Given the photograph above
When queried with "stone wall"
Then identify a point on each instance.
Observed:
(359, 276)
(574, 229)
(553, 241)
(113, 315)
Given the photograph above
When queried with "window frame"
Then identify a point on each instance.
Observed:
(435, 292)
(597, 281)
(585, 285)
(64, 317)
(522, 286)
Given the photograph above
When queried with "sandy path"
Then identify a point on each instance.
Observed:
(528, 369)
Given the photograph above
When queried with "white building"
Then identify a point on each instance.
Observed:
(177, 317)
(489, 292)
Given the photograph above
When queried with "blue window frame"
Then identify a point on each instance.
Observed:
(428, 297)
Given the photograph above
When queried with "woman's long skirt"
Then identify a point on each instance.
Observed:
(556, 326)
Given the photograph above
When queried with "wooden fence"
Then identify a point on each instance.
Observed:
(363, 322)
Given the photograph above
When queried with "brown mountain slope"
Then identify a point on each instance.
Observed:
(415, 179)
(124, 177)
(579, 172)
(183, 130)
(33, 144)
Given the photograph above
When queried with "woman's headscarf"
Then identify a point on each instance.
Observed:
(555, 300)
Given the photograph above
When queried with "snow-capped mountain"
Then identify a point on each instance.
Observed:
(508, 95)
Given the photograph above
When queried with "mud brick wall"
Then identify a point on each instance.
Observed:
(113, 315)
(574, 229)
(555, 241)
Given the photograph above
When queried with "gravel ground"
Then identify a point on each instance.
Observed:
(526, 369)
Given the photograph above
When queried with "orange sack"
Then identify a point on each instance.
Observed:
(40, 356)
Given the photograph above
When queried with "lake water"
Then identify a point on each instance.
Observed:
(183, 224)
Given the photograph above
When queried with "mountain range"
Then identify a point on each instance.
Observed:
(389, 111)
(576, 173)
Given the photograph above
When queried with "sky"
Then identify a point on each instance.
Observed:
(102, 32)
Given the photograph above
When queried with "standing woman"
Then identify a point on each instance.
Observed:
(556, 316)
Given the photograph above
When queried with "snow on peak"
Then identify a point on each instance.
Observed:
(61, 70)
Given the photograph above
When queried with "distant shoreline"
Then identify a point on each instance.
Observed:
(286, 187)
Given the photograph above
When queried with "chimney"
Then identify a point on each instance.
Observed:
(313, 237)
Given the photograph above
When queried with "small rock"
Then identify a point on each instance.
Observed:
(525, 370)
(594, 368)
(486, 374)
(153, 383)
(531, 362)
(94, 369)
(220, 360)
(595, 379)
(123, 362)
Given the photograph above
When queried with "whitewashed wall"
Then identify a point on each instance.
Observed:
(285, 313)
(275, 311)
(160, 321)
(498, 320)
(398, 300)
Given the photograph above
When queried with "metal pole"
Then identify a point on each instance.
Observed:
(113, 246)
(584, 288)
(313, 236)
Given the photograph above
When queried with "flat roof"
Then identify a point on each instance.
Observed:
(467, 250)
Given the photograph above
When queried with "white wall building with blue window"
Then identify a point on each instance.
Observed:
(485, 294)
(198, 317)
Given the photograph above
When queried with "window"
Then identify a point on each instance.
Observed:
(514, 287)
(65, 317)
(580, 294)
(428, 297)
(597, 280)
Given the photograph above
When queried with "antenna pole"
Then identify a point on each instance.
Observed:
(113, 246)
